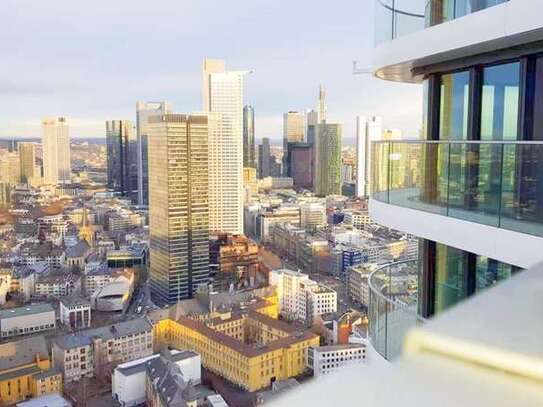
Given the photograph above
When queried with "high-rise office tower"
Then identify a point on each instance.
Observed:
(293, 132)
(322, 104)
(249, 137)
(311, 119)
(10, 168)
(367, 130)
(327, 159)
(56, 151)
(300, 164)
(122, 158)
(27, 159)
(222, 94)
(264, 158)
(144, 110)
(178, 205)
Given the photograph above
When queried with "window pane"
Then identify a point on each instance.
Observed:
(500, 99)
(488, 272)
(451, 269)
(453, 123)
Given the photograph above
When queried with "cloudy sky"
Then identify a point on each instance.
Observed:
(92, 60)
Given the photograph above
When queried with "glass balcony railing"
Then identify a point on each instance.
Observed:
(396, 18)
(495, 183)
(393, 306)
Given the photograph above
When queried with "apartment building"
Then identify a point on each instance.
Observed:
(301, 298)
(97, 351)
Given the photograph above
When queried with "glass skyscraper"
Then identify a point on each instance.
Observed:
(178, 205)
(122, 158)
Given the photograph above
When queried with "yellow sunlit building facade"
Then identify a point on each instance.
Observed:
(250, 348)
(25, 371)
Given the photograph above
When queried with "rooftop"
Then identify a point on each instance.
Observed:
(27, 310)
(137, 366)
(22, 352)
(74, 301)
(108, 332)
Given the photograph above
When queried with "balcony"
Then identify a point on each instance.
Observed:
(393, 306)
(494, 183)
(396, 18)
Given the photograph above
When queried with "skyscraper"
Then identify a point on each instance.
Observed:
(311, 119)
(122, 158)
(322, 104)
(293, 132)
(300, 164)
(264, 158)
(249, 137)
(56, 151)
(178, 205)
(222, 93)
(144, 110)
(366, 132)
(327, 159)
(27, 159)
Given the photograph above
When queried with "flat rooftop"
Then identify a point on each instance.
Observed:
(22, 352)
(28, 310)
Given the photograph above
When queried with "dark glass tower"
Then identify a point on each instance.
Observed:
(249, 137)
(122, 165)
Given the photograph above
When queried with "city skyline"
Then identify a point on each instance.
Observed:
(72, 82)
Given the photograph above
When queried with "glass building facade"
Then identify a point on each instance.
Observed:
(178, 202)
(122, 158)
(480, 160)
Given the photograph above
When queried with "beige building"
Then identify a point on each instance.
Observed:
(26, 320)
(97, 351)
(56, 151)
(312, 216)
(178, 202)
(359, 290)
(222, 94)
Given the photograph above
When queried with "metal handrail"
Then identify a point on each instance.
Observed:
(498, 142)
(395, 10)
(378, 293)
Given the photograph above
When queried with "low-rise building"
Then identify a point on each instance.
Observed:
(312, 216)
(60, 284)
(323, 360)
(115, 294)
(358, 283)
(358, 219)
(97, 351)
(248, 348)
(77, 254)
(301, 298)
(166, 386)
(234, 261)
(25, 371)
(26, 320)
(75, 312)
(128, 382)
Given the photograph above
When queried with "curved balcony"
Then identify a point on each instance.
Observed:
(393, 306)
(396, 18)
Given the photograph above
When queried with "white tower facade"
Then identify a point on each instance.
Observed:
(56, 151)
(367, 130)
(222, 93)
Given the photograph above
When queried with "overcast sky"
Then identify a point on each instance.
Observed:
(92, 60)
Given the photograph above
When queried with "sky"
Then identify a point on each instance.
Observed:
(92, 60)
